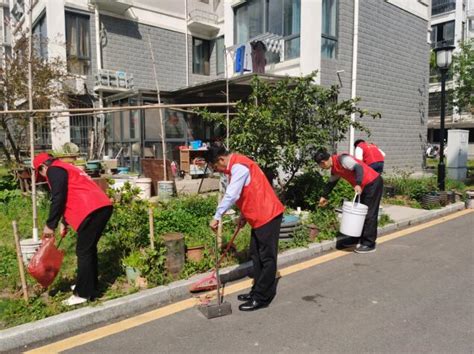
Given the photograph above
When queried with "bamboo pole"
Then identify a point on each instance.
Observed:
(152, 227)
(122, 108)
(20, 261)
(32, 126)
(160, 111)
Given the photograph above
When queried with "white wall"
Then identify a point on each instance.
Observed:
(419, 8)
(310, 50)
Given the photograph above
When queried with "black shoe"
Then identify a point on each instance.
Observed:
(244, 297)
(252, 305)
(364, 249)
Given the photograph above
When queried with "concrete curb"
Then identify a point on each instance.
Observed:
(61, 324)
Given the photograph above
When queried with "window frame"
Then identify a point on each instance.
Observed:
(264, 4)
(83, 59)
(208, 42)
(329, 36)
(41, 46)
(222, 56)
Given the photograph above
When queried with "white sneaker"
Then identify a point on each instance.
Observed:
(74, 300)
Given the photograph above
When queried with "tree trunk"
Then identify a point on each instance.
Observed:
(13, 145)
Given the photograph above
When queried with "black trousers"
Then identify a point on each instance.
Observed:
(88, 236)
(264, 254)
(377, 166)
(371, 196)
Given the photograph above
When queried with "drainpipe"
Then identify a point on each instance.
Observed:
(355, 44)
(99, 67)
(186, 40)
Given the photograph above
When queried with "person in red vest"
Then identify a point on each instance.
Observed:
(366, 182)
(250, 190)
(370, 154)
(81, 204)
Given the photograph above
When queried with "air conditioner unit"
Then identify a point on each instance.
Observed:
(77, 85)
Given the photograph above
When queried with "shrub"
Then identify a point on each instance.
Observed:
(306, 189)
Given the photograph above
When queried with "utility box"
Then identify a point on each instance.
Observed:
(456, 156)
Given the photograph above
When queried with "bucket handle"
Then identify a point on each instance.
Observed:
(353, 200)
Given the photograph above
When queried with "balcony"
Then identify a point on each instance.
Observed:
(203, 21)
(115, 6)
(113, 81)
(470, 14)
(439, 7)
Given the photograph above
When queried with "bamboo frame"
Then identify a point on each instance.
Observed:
(122, 108)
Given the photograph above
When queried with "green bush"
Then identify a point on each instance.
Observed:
(8, 182)
(413, 188)
(9, 274)
(305, 191)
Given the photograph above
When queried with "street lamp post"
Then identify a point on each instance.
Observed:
(443, 61)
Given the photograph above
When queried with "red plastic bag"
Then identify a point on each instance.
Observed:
(45, 264)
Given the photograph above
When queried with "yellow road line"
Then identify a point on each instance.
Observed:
(135, 321)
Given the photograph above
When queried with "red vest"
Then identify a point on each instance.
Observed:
(258, 202)
(371, 153)
(337, 169)
(83, 195)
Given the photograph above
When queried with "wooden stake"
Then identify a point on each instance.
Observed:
(152, 227)
(20, 261)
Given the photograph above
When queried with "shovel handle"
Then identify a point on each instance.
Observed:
(236, 232)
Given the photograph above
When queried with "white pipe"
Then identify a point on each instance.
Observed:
(186, 40)
(355, 45)
(97, 37)
(99, 67)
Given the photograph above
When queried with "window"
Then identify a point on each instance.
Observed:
(442, 6)
(77, 43)
(201, 56)
(442, 32)
(220, 55)
(329, 29)
(40, 38)
(284, 18)
(281, 17)
(248, 20)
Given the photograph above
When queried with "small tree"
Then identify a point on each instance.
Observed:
(49, 77)
(281, 123)
(463, 72)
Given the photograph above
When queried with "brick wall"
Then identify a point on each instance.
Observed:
(127, 49)
(392, 76)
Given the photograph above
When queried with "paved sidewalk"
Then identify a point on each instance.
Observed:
(128, 305)
(401, 213)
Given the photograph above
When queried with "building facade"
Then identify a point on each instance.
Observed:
(374, 49)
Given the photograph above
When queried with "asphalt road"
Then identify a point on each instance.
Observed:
(414, 295)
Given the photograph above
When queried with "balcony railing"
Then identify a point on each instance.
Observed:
(442, 6)
(109, 80)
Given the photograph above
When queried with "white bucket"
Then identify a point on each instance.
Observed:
(119, 183)
(165, 189)
(353, 217)
(145, 187)
(469, 200)
(28, 249)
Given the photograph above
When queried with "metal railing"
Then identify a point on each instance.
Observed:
(114, 79)
(442, 6)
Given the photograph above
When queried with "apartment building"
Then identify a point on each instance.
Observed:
(451, 21)
(375, 49)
